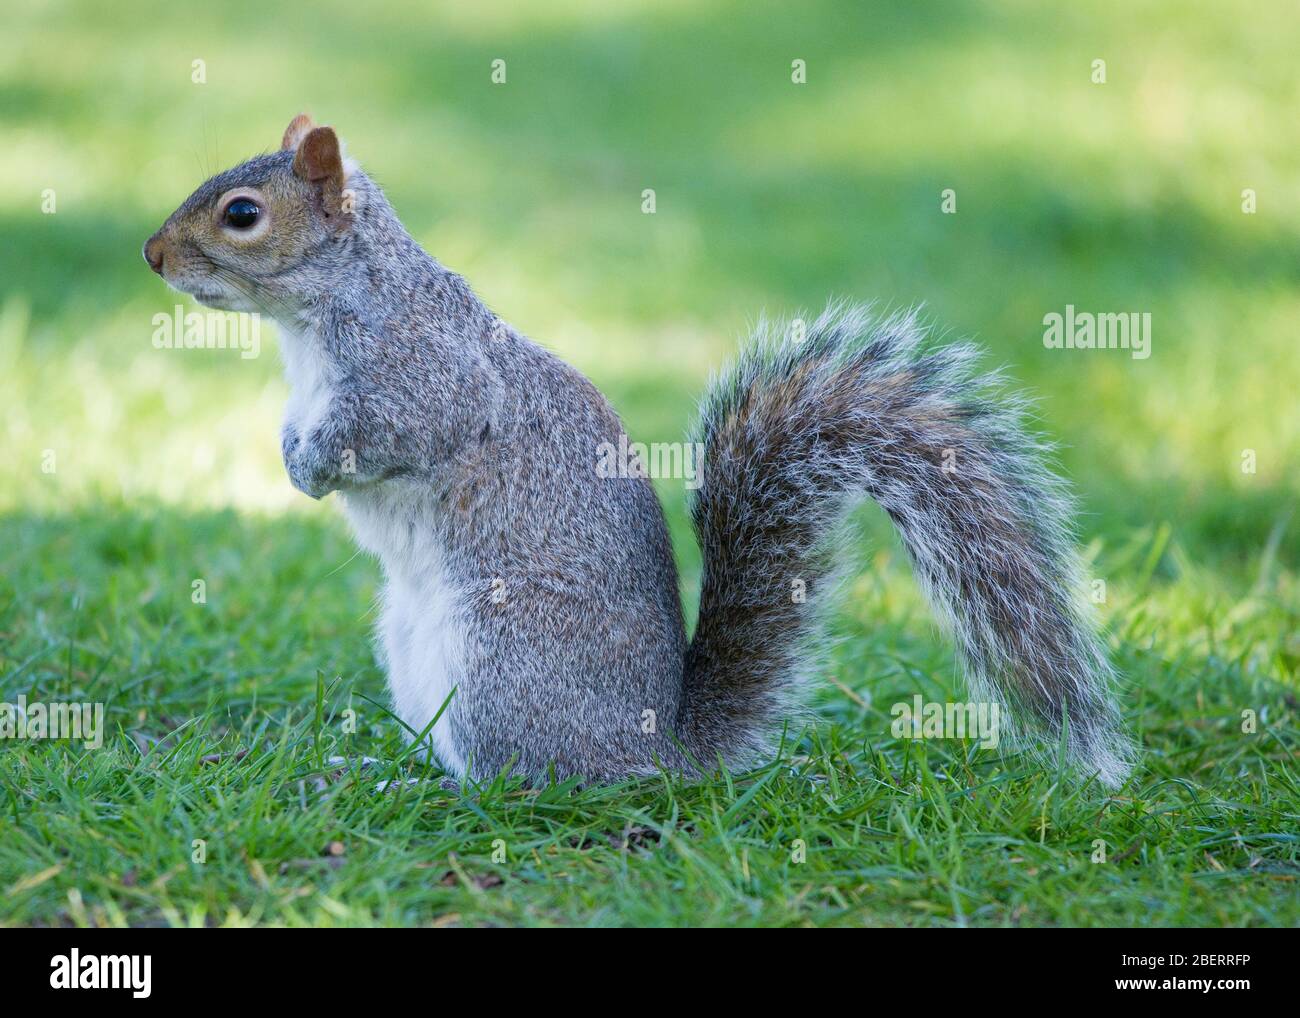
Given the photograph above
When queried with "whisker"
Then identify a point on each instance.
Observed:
(272, 306)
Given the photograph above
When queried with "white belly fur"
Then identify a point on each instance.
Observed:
(421, 629)
(309, 387)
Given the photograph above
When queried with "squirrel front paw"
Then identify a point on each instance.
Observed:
(311, 482)
(310, 472)
(289, 442)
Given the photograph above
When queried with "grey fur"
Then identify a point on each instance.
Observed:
(472, 440)
(797, 433)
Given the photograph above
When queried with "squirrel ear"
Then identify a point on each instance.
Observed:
(318, 161)
(298, 128)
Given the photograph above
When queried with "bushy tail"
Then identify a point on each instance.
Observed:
(794, 434)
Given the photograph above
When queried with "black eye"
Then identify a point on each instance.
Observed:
(242, 213)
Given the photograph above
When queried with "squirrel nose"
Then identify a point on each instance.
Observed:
(153, 253)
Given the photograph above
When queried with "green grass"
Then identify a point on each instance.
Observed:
(222, 716)
(913, 832)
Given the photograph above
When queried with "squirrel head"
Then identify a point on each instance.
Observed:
(262, 236)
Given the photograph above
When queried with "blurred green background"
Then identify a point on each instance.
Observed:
(771, 197)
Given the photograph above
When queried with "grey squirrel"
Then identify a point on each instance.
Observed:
(537, 601)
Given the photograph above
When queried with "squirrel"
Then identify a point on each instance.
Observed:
(531, 618)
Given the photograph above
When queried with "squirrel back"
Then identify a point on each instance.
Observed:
(531, 617)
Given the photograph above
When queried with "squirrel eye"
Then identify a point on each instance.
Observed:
(242, 213)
